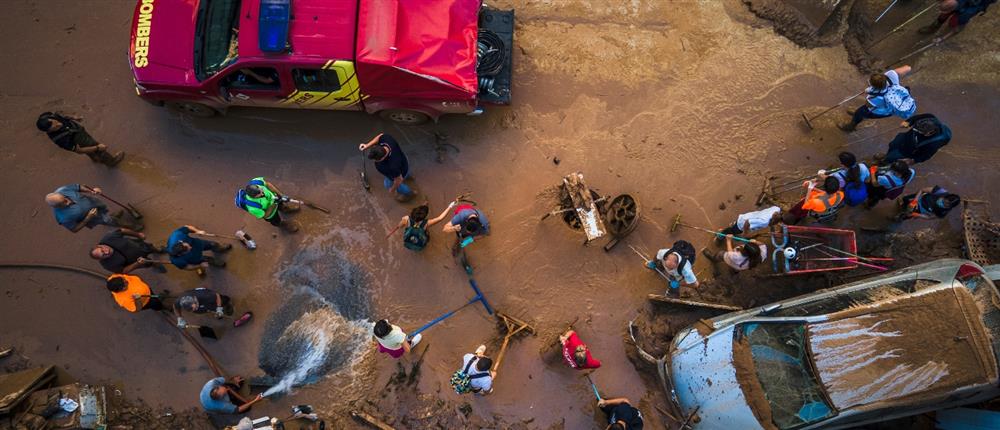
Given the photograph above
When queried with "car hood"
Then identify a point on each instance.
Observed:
(161, 49)
(704, 377)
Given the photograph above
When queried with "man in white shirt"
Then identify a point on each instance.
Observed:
(478, 366)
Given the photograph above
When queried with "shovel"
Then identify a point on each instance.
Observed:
(240, 237)
(308, 204)
(364, 175)
(128, 207)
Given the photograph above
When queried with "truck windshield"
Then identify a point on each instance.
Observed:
(783, 368)
(216, 36)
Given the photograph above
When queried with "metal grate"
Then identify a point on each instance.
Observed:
(982, 237)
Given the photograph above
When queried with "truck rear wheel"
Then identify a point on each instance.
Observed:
(404, 116)
(191, 108)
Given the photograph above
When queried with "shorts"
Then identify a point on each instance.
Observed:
(394, 353)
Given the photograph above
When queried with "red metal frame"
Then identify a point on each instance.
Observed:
(841, 239)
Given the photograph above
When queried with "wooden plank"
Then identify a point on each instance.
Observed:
(370, 420)
(671, 300)
(586, 208)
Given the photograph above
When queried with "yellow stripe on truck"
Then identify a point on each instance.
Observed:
(349, 89)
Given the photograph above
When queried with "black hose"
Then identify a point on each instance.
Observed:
(490, 52)
(53, 266)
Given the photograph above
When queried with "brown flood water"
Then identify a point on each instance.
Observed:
(684, 105)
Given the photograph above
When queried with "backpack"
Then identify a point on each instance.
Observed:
(899, 100)
(855, 193)
(686, 250)
(415, 237)
(461, 381)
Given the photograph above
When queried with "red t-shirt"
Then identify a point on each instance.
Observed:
(570, 347)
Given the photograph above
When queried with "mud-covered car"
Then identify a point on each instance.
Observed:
(903, 343)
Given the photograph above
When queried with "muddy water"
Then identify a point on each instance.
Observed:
(684, 105)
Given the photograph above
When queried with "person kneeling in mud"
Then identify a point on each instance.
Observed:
(415, 234)
(927, 203)
(392, 340)
(677, 265)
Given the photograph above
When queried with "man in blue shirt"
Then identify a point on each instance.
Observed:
(75, 208)
(925, 137)
(187, 252)
(224, 397)
(391, 162)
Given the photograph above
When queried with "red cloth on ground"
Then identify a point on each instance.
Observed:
(570, 347)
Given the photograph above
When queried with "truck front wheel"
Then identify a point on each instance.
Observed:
(404, 116)
(191, 108)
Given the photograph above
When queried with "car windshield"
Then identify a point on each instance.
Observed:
(216, 35)
(785, 373)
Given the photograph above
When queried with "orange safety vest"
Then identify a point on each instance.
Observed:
(830, 202)
(133, 285)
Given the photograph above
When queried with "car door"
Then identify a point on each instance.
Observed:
(254, 85)
(330, 85)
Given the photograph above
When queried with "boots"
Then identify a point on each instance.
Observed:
(848, 126)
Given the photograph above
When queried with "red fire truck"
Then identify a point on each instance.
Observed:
(406, 60)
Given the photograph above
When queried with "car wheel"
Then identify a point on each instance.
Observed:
(191, 108)
(404, 116)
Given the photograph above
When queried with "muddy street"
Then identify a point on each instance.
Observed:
(687, 106)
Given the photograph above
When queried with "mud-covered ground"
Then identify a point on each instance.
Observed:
(685, 105)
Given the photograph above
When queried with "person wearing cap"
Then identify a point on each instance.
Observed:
(188, 253)
(132, 294)
(66, 132)
(391, 162)
(202, 301)
(264, 200)
(75, 207)
(576, 353)
(926, 136)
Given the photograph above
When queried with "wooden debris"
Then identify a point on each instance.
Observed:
(671, 300)
(370, 420)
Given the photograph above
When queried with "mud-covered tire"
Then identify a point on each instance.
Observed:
(191, 108)
(404, 116)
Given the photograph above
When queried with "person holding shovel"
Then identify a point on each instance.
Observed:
(391, 162)
(576, 353)
(203, 301)
(677, 265)
(132, 294)
(957, 13)
(221, 396)
(188, 253)
(621, 414)
(392, 340)
(124, 250)
(886, 97)
(264, 200)
(76, 206)
(66, 132)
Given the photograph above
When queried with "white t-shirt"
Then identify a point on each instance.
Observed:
(685, 271)
(738, 261)
(483, 383)
(758, 219)
(394, 340)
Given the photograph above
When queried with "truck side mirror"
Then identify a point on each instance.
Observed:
(770, 309)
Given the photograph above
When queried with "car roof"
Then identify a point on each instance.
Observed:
(318, 28)
(903, 349)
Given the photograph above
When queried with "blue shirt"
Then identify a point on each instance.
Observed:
(890, 180)
(863, 174)
(192, 257)
(395, 164)
(222, 405)
(71, 215)
(464, 214)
